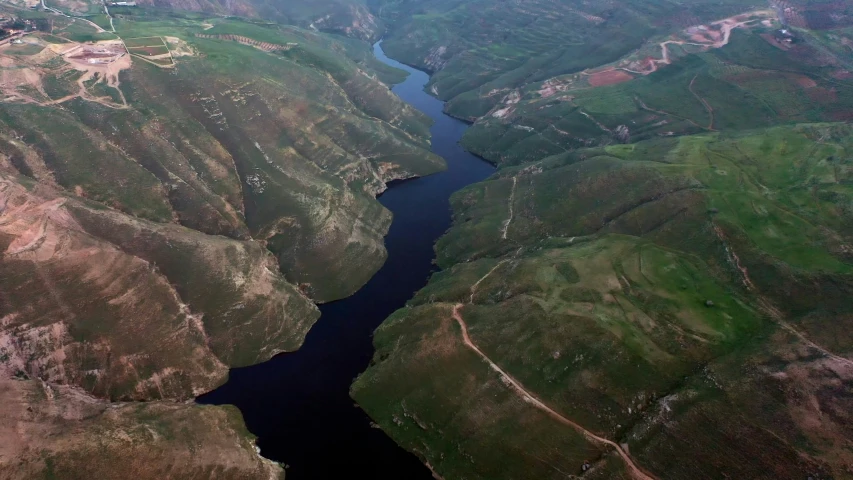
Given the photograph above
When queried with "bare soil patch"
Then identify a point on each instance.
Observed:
(769, 38)
(804, 81)
(609, 77)
(842, 75)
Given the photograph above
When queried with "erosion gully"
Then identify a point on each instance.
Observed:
(298, 403)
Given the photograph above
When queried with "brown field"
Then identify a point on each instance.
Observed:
(149, 50)
(103, 53)
(609, 77)
(769, 38)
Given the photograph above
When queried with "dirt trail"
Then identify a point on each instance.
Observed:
(97, 27)
(726, 26)
(84, 94)
(704, 102)
(661, 112)
(771, 309)
(593, 120)
(506, 223)
(109, 15)
(530, 398)
(478, 282)
(780, 319)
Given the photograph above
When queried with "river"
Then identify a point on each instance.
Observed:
(298, 403)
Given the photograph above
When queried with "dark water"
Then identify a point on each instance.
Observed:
(298, 403)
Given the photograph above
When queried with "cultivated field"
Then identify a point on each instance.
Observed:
(151, 49)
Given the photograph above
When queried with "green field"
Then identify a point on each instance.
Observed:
(149, 51)
(24, 49)
(144, 42)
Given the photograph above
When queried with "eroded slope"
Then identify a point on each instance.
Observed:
(287, 146)
(56, 431)
(173, 199)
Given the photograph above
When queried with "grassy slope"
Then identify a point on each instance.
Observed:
(293, 156)
(200, 171)
(509, 44)
(749, 83)
(150, 246)
(349, 18)
(599, 304)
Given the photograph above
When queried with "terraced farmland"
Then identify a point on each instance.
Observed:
(265, 46)
(747, 83)
(151, 49)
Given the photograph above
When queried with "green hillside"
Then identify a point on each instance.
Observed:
(712, 290)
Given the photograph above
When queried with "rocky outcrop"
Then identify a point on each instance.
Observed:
(57, 431)
(129, 309)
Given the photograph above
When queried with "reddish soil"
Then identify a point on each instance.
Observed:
(810, 56)
(88, 55)
(609, 77)
(841, 116)
(804, 81)
(769, 38)
(822, 95)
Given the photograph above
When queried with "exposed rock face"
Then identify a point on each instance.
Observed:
(118, 307)
(348, 18)
(57, 431)
(435, 60)
(155, 221)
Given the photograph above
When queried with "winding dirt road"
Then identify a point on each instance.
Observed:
(530, 398)
(726, 26)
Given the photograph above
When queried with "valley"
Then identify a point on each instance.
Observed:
(241, 204)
